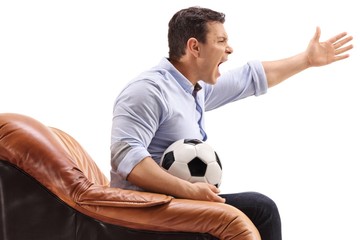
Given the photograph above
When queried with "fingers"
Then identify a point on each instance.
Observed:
(337, 37)
(342, 50)
(342, 42)
(317, 34)
(339, 49)
(340, 57)
(216, 197)
(208, 192)
(220, 199)
(214, 189)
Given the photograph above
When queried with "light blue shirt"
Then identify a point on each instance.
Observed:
(158, 108)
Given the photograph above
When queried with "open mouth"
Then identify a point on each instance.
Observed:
(218, 69)
(219, 63)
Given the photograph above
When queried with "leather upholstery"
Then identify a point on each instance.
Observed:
(55, 175)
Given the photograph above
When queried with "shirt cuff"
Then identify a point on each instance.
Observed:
(132, 158)
(260, 80)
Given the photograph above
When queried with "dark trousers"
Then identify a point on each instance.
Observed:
(261, 210)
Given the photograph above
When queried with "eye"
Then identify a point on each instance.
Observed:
(222, 40)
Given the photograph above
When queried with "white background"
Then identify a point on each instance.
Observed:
(64, 62)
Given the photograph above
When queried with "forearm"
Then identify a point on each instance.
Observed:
(280, 70)
(149, 176)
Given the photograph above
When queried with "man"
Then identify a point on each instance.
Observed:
(167, 102)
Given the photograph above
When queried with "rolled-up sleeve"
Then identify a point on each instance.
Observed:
(239, 83)
(137, 114)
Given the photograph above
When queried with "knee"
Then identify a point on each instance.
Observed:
(265, 203)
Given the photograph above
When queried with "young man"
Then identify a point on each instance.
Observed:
(167, 102)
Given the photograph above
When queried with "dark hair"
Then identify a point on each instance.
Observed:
(187, 23)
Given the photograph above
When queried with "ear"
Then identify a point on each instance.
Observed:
(193, 47)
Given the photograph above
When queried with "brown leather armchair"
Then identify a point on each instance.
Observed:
(50, 188)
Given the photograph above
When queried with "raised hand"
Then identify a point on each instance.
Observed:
(332, 50)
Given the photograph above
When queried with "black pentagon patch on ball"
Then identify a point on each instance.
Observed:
(197, 167)
(168, 160)
(192, 141)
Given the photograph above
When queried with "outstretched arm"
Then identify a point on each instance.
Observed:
(317, 54)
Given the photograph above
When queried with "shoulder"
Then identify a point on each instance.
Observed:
(147, 90)
(147, 83)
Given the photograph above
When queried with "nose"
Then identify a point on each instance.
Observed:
(229, 50)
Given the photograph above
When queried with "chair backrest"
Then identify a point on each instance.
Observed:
(48, 154)
(81, 158)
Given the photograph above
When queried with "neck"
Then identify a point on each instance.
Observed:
(187, 69)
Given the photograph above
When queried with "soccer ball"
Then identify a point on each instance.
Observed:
(192, 160)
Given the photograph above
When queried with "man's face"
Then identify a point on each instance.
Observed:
(213, 53)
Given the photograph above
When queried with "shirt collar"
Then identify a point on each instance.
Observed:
(179, 77)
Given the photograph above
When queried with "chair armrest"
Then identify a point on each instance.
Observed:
(116, 197)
